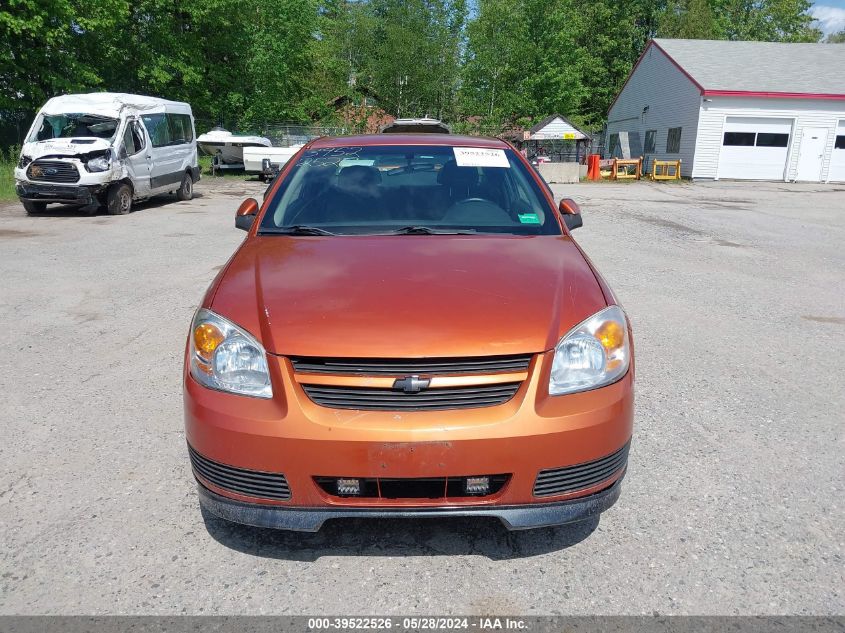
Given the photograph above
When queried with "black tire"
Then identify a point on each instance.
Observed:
(34, 208)
(186, 189)
(119, 200)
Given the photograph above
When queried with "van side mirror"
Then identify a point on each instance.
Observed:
(246, 213)
(571, 213)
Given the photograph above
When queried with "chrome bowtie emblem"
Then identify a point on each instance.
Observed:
(411, 384)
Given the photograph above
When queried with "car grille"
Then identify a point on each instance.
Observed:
(402, 366)
(361, 398)
(52, 171)
(558, 481)
(251, 483)
(412, 488)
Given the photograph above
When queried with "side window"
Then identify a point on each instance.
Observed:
(138, 136)
(181, 130)
(129, 142)
(673, 140)
(133, 138)
(840, 142)
(649, 141)
(157, 128)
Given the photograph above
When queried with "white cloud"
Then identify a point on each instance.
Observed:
(830, 19)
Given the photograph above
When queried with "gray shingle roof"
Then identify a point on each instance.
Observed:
(761, 66)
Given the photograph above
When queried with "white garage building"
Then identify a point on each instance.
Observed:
(740, 110)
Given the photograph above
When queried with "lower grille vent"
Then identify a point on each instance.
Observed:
(251, 483)
(558, 481)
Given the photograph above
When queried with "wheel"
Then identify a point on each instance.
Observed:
(32, 207)
(119, 201)
(186, 189)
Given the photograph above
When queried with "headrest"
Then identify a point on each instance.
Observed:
(452, 175)
(358, 177)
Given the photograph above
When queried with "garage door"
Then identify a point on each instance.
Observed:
(754, 148)
(837, 159)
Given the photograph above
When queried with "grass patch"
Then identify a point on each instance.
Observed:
(205, 170)
(8, 160)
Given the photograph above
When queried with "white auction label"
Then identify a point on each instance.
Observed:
(480, 157)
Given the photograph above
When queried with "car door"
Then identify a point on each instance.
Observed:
(165, 174)
(136, 148)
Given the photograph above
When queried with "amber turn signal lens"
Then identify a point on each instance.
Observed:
(611, 335)
(207, 338)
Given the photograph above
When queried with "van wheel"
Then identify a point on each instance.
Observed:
(119, 201)
(33, 208)
(186, 189)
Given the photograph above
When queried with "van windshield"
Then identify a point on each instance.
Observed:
(409, 189)
(73, 126)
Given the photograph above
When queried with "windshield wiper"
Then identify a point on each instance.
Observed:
(427, 230)
(296, 229)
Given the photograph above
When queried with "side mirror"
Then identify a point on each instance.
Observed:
(246, 213)
(571, 213)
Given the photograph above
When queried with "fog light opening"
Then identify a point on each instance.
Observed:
(477, 485)
(349, 487)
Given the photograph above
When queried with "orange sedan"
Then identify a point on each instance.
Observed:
(408, 330)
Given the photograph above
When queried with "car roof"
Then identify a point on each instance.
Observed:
(448, 140)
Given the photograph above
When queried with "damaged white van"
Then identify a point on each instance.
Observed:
(107, 150)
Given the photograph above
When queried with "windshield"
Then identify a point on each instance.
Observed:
(73, 126)
(409, 189)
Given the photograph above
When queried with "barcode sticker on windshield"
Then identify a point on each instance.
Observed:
(480, 157)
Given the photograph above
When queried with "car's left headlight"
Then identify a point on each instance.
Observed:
(227, 357)
(100, 163)
(593, 354)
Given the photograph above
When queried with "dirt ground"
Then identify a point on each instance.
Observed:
(733, 502)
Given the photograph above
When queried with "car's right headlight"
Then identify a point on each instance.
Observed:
(99, 163)
(227, 357)
(593, 354)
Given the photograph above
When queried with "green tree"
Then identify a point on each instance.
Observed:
(765, 20)
(836, 38)
(45, 43)
(687, 19)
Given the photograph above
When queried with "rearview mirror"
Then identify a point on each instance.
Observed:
(571, 213)
(246, 213)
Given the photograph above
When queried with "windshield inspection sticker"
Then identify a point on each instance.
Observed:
(479, 157)
(529, 218)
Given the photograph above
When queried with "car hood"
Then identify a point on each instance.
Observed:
(407, 296)
(65, 147)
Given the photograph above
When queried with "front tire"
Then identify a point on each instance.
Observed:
(186, 189)
(119, 200)
(34, 208)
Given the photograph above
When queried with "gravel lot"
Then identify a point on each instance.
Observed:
(733, 502)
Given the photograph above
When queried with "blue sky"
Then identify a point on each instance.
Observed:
(830, 15)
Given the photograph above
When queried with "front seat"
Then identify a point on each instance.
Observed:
(459, 182)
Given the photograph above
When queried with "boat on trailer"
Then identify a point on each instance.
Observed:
(226, 148)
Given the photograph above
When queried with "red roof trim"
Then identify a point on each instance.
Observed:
(772, 95)
(634, 69)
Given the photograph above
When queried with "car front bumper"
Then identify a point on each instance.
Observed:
(291, 435)
(65, 194)
(518, 517)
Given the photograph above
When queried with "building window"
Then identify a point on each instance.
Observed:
(649, 141)
(673, 140)
(612, 144)
(739, 139)
(767, 139)
(840, 142)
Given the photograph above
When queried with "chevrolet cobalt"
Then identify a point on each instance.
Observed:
(408, 330)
